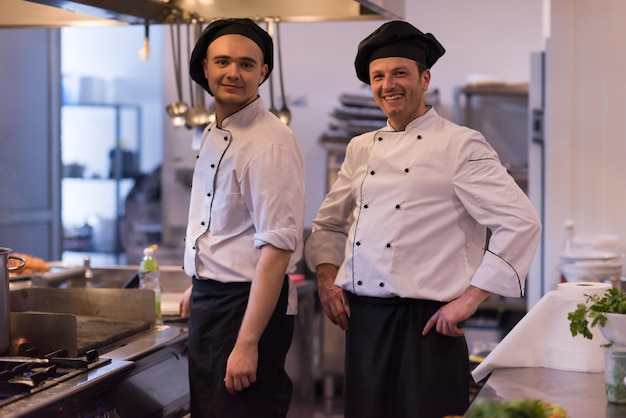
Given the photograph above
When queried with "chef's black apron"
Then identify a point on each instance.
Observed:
(216, 313)
(393, 371)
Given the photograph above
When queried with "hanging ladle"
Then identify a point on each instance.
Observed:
(177, 110)
(284, 113)
(270, 31)
(197, 116)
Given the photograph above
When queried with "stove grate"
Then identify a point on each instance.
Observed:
(23, 376)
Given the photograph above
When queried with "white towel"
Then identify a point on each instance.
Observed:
(543, 339)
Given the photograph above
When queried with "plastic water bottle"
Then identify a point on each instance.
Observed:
(149, 278)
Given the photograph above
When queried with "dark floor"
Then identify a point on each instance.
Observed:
(332, 410)
(330, 405)
(328, 398)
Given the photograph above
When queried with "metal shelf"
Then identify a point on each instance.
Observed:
(107, 136)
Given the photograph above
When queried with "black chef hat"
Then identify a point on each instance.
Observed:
(245, 27)
(396, 39)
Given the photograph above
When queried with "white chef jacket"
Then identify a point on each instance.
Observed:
(247, 191)
(408, 214)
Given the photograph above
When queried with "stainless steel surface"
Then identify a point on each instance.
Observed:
(158, 383)
(5, 320)
(77, 319)
(153, 356)
(19, 266)
(20, 13)
(31, 151)
(271, 24)
(141, 11)
(21, 359)
(500, 112)
(43, 403)
(110, 303)
(303, 11)
(146, 377)
(197, 116)
(178, 109)
(149, 341)
(173, 280)
(55, 278)
(47, 332)
(158, 386)
(284, 113)
(581, 394)
(139, 373)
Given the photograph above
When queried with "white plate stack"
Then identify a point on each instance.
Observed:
(594, 259)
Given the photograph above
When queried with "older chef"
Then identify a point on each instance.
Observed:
(400, 244)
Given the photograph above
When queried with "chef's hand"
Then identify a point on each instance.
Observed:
(241, 367)
(333, 298)
(446, 319)
(184, 303)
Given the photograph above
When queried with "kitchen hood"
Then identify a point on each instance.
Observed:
(24, 14)
(57, 13)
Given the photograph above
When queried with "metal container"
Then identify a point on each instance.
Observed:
(5, 308)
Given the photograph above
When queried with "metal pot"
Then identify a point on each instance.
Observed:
(5, 309)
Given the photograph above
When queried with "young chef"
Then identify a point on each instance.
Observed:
(244, 233)
(399, 244)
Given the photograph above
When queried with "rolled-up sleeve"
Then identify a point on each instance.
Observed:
(276, 206)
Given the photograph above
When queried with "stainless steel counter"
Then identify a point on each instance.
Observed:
(157, 354)
(45, 402)
(581, 394)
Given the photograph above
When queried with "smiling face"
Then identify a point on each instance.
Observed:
(398, 88)
(234, 69)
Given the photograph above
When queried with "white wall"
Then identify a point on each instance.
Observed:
(481, 36)
(585, 130)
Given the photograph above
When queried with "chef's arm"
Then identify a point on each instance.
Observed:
(264, 293)
(183, 305)
(446, 320)
(332, 298)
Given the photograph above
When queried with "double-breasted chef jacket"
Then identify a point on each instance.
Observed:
(408, 214)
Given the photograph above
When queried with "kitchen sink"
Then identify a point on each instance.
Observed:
(173, 279)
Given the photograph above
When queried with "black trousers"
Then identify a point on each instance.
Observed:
(393, 371)
(216, 313)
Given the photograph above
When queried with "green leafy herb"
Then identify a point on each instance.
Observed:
(516, 408)
(595, 309)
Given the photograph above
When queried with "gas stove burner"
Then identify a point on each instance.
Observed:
(24, 375)
(59, 358)
(62, 359)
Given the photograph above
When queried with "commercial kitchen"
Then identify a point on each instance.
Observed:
(92, 165)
